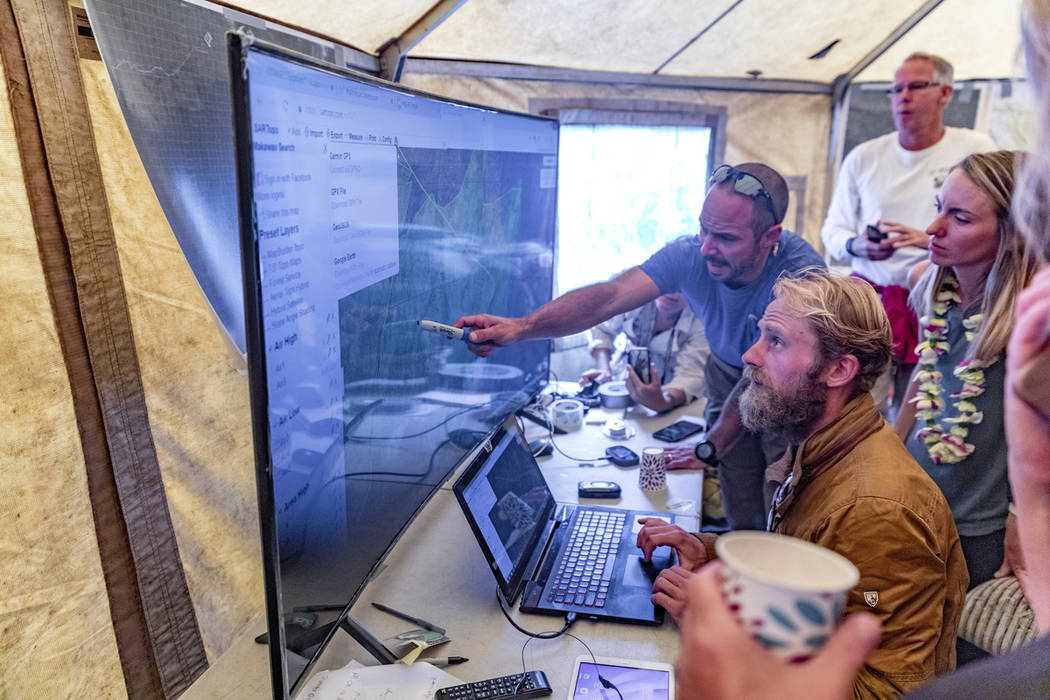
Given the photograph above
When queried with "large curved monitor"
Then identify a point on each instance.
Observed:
(365, 208)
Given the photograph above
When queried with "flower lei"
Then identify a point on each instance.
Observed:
(951, 446)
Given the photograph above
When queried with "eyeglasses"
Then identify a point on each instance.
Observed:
(913, 86)
(745, 184)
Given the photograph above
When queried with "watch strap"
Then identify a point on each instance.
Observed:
(713, 459)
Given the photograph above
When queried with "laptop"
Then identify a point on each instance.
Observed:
(558, 558)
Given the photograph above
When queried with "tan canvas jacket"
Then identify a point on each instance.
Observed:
(861, 494)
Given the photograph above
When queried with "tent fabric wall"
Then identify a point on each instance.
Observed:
(151, 616)
(198, 402)
(790, 132)
(53, 607)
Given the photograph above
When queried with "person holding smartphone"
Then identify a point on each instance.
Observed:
(883, 199)
(676, 347)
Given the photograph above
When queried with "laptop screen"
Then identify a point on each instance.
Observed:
(508, 502)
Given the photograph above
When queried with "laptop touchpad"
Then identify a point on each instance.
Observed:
(639, 572)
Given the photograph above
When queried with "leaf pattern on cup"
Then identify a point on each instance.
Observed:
(770, 642)
(782, 619)
(810, 611)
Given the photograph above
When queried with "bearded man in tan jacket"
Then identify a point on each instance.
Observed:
(847, 482)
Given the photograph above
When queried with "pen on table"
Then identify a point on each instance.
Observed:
(415, 620)
(441, 663)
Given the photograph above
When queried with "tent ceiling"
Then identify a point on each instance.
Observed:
(788, 33)
(364, 24)
(634, 36)
(982, 39)
(729, 37)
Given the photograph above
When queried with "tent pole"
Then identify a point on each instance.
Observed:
(393, 53)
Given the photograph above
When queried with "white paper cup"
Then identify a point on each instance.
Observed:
(653, 474)
(787, 592)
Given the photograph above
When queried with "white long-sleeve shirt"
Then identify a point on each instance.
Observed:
(882, 181)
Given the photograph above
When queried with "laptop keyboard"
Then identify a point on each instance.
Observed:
(586, 564)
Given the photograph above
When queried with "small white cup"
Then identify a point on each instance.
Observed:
(788, 593)
(653, 474)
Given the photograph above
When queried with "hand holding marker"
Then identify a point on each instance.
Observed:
(450, 332)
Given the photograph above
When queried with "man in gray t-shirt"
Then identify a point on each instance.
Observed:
(726, 274)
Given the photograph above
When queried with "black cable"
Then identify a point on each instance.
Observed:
(608, 684)
(568, 456)
(567, 634)
(570, 619)
(550, 436)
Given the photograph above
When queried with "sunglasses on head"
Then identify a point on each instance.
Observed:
(745, 184)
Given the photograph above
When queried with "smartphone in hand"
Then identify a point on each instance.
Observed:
(639, 359)
(875, 235)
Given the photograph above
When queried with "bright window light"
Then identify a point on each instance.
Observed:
(623, 192)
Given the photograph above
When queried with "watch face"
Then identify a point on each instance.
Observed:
(704, 451)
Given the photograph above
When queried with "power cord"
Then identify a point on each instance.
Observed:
(570, 620)
(550, 437)
(606, 683)
(567, 634)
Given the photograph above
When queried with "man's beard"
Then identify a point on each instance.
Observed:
(789, 415)
(736, 270)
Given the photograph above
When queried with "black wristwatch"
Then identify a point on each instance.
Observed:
(849, 247)
(706, 453)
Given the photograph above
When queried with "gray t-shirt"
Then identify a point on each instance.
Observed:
(976, 488)
(730, 316)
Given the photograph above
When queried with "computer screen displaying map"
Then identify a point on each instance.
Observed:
(372, 208)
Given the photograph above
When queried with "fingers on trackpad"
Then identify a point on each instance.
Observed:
(639, 572)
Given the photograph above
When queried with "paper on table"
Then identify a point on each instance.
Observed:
(419, 681)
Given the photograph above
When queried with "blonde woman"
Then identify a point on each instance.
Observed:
(952, 421)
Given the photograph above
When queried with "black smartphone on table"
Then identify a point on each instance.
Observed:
(678, 431)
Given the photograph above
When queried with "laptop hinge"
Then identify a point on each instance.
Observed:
(540, 564)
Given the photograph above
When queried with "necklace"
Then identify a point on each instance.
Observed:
(946, 446)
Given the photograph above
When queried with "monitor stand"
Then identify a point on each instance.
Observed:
(300, 639)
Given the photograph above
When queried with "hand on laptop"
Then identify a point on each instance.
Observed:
(670, 591)
(719, 658)
(656, 533)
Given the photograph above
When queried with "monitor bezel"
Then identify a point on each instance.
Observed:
(238, 44)
(511, 587)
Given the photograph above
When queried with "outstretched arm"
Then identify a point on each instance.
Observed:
(570, 313)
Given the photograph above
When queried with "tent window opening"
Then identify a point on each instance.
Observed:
(625, 190)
